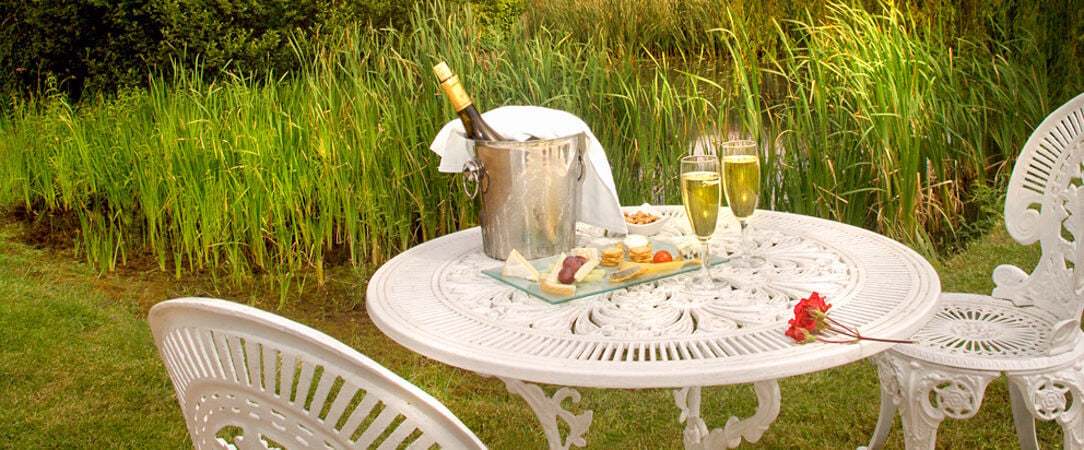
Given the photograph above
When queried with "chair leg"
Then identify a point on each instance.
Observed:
(1022, 419)
(889, 399)
(956, 394)
(1047, 397)
(884, 420)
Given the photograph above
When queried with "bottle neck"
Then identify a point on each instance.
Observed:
(456, 94)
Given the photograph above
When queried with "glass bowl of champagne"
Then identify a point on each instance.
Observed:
(741, 184)
(700, 193)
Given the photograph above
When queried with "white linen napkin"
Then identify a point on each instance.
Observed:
(599, 204)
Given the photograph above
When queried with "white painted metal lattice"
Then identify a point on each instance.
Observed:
(979, 328)
(1028, 329)
(676, 339)
(434, 300)
(246, 378)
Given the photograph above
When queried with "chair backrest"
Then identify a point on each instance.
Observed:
(253, 379)
(1045, 203)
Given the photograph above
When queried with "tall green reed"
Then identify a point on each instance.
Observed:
(865, 121)
(878, 127)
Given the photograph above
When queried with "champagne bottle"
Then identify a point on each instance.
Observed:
(476, 128)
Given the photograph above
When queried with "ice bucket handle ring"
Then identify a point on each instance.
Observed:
(583, 168)
(475, 173)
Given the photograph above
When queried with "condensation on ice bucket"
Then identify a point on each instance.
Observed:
(530, 194)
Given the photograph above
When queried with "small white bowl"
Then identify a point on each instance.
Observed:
(648, 229)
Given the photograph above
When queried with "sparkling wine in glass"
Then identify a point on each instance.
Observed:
(701, 191)
(741, 182)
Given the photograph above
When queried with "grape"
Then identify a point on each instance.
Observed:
(573, 262)
(566, 275)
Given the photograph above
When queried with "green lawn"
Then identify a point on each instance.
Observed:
(78, 367)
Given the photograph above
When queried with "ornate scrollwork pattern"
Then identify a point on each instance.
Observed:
(435, 299)
(1046, 203)
(549, 411)
(984, 330)
(1031, 325)
(957, 398)
(663, 307)
(956, 394)
(697, 436)
(890, 375)
(1057, 396)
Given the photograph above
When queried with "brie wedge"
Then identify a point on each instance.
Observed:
(516, 266)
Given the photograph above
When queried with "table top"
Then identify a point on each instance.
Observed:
(434, 300)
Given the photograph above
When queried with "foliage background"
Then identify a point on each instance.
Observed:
(277, 137)
(103, 45)
(99, 46)
(291, 135)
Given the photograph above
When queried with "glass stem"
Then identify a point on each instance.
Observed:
(705, 276)
(746, 248)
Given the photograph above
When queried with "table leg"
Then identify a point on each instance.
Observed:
(752, 428)
(549, 409)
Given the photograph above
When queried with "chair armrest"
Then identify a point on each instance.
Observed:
(1009, 282)
(1065, 336)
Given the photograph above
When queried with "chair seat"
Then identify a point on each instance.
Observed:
(980, 332)
(237, 368)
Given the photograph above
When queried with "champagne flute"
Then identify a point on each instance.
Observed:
(741, 182)
(700, 192)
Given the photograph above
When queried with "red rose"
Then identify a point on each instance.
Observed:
(803, 319)
(811, 317)
(800, 335)
(816, 301)
(808, 318)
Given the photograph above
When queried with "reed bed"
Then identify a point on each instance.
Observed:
(877, 125)
(863, 121)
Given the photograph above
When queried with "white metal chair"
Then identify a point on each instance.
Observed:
(252, 379)
(1029, 329)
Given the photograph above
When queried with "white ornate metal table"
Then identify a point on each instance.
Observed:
(434, 300)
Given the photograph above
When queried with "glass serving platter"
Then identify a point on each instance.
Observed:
(591, 287)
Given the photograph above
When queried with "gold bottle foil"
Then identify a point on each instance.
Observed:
(450, 83)
(456, 94)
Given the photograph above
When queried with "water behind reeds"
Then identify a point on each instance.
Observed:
(870, 124)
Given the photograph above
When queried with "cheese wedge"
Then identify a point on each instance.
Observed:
(558, 288)
(518, 267)
(585, 269)
(587, 253)
(649, 268)
(552, 278)
(689, 248)
(620, 275)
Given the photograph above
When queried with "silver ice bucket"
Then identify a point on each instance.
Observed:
(530, 194)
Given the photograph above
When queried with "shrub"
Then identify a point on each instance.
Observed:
(100, 45)
(78, 43)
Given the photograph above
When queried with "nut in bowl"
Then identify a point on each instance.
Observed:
(645, 220)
